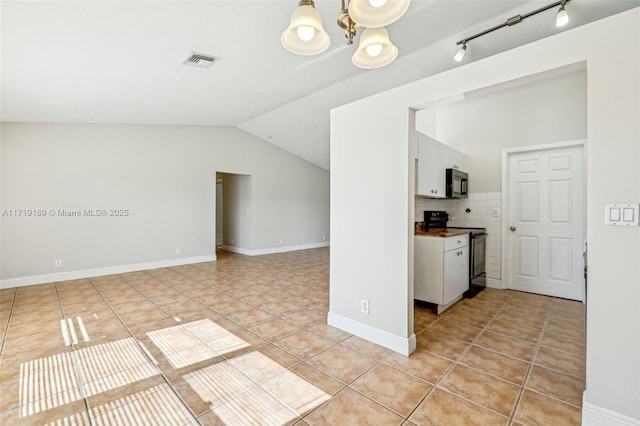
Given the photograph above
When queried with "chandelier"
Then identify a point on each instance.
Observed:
(305, 35)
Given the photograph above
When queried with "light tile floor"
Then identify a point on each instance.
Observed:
(244, 340)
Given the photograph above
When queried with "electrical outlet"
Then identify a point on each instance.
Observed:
(496, 212)
(57, 263)
(324, 238)
(280, 240)
(231, 240)
(364, 306)
(177, 251)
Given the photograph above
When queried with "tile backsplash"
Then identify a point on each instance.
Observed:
(484, 212)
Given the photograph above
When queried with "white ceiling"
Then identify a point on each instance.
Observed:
(121, 61)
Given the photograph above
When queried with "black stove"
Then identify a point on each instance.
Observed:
(435, 219)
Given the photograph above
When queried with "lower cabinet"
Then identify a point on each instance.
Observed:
(441, 269)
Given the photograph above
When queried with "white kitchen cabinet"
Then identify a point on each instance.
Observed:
(452, 159)
(433, 159)
(431, 179)
(441, 269)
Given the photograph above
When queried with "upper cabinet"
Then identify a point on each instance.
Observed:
(433, 159)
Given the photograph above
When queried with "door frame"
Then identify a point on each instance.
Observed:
(506, 154)
(219, 211)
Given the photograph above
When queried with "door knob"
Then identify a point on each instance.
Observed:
(512, 228)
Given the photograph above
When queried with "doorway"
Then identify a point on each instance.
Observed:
(233, 212)
(544, 223)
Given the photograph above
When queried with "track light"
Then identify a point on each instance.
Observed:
(562, 18)
(461, 52)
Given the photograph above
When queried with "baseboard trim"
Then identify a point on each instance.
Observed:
(402, 345)
(272, 250)
(593, 415)
(97, 272)
(494, 283)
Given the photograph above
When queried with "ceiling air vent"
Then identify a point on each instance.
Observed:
(201, 61)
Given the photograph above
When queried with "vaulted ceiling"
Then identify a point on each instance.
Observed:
(122, 61)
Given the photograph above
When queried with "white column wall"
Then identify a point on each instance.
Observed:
(371, 214)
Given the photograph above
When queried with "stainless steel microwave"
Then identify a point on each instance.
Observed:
(457, 184)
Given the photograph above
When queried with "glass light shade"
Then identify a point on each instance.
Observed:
(367, 15)
(371, 37)
(305, 33)
(292, 38)
(374, 49)
(461, 53)
(377, 3)
(562, 18)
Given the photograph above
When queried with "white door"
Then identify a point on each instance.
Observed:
(545, 221)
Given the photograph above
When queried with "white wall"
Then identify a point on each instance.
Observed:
(372, 157)
(547, 111)
(164, 175)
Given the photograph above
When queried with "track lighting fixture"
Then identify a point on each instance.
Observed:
(305, 35)
(461, 52)
(562, 18)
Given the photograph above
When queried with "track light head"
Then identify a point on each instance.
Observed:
(562, 18)
(461, 52)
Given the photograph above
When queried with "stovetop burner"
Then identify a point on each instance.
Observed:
(435, 219)
(439, 219)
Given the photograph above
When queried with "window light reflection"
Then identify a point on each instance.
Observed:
(50, 382)
(237, 400)
(156, 405)
(185, 344)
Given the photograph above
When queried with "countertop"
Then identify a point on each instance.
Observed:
(443, 233)
(438, 232)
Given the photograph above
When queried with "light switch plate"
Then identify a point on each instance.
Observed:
(621, 214)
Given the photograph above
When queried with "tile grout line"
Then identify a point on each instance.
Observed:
(6, 331)
(531, 364)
